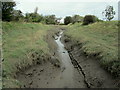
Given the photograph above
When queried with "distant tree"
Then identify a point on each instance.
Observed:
(67, 20)
(33, 17)
(77, 18)
(28, 17)
(89, 19)
(7, 10)
(17, 15)
(51, 19)
(109, 13)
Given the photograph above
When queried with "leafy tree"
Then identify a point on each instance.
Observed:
(51, 19)
(109, 13)
(77, 18)
(89, 19)
(7, 10)
(34, 17)
(17, 15)
(67, 20)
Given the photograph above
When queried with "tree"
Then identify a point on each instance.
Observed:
(77, 18)
(51, 19)
(7, 10)
(67, 20)
(89, 19)
(34, 17)
(17, 15)
(109, 13)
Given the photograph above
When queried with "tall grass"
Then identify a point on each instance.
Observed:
(102, 38)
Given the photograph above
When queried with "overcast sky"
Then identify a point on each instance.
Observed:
(66, 8)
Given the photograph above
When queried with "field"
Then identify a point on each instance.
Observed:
(99, 39)
(20, 41)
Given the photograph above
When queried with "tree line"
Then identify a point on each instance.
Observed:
(10, 14)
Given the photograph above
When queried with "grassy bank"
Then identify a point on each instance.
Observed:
(98, 39)
(22, 42)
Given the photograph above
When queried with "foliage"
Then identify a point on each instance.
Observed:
(33, 17)
(89, 19)
(7, 10)
(67, 20)
(109, 13)
(51, 19)
(17, 15)
(77, 18)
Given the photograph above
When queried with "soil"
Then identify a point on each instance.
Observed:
(75, 71)
(94, 75)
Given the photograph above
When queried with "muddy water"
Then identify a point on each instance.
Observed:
(67, 70)
(68, 77)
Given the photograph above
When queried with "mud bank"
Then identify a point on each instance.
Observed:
(50, 75)
(44, 69)
(69, 77)
(94, 75)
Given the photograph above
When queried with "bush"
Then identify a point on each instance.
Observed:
(89, 19)
(77, 18)
(67, 20)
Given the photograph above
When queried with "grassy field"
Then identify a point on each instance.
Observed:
(20, 42)
(99, 38)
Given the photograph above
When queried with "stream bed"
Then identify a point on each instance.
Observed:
(49, 76)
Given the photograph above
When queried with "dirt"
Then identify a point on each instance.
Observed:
(94, 75)
(47, 75)
(38, 76)
(75, 71)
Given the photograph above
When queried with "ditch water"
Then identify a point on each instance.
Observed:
(67, 70)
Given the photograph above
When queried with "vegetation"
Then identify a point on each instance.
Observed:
(20, 41)
(73, 19)
(90, 19)
(109, 13)
(10, 14)
(100, 38)
(17, 16)
(77, 18)
(7, 10)
(51, 19)
(67, 20)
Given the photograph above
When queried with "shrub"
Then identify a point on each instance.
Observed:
(67, 20)
(89, 19)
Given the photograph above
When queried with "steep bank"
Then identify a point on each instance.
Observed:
(83, 48)
(98, 40)
(24, 46)
(94, 75)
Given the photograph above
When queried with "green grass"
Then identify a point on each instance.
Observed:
(100, 37)
(20, 40)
